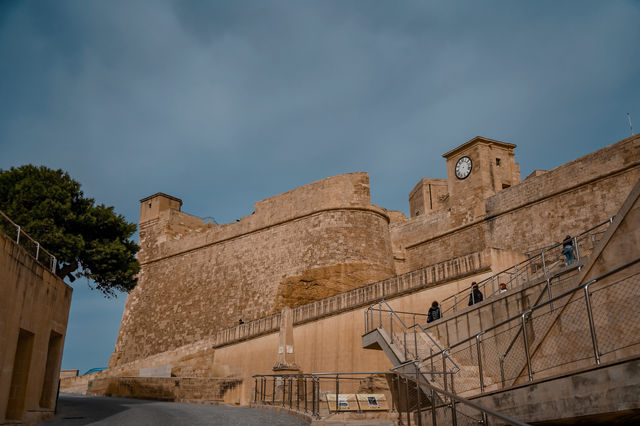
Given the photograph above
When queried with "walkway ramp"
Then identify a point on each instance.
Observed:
(582, 319)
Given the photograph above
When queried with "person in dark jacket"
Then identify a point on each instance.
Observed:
(567, 249)
(476, 294)
(434, 312)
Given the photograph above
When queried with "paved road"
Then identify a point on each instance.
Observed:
(76, 410)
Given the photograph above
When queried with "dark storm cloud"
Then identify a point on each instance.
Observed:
(226, 103)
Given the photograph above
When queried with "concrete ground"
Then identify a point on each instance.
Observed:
(76, 410)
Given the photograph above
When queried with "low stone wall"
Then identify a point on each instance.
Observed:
(184, 389)
(391, 287)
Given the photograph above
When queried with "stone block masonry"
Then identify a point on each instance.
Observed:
(317, 248)
(304, 245)
(34, 309)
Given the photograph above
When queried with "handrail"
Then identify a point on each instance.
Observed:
(53, 263)
(519, 268)
(462, 400)
(398, 312)
(394, 313)
(540, 249)
(515, 338)
(437, 345)
(554, 299)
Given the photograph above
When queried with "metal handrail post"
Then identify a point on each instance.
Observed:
(516, 275)
(415, 342)
(479, 361)
(406, 395)
(380, 314)
(18, 237)
(273, 394)
(337, 393)
(418, 396)
(313, 396)
(575, 244)
(455, 302)
(444, 369)
(431, 359)
(454, 418)
(37, 250)
(255, 392)
(592, 326)
(453, 388)
(284, 390)
(391, 325)
(399, 393)
(501, 361)
(404, 333)
(549, 292)
(526, 344)
(433, 407)
(544, 266)
(306, 407)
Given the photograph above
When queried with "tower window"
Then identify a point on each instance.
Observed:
(498, 162)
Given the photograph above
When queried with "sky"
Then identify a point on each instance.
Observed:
(223, 104)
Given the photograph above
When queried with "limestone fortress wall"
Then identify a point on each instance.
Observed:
(523, 216)
(297, 247)
(316, 244)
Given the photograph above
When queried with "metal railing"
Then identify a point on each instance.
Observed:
(321, 394)
(33, 247)
(431, 405)
(412, 341)
(539, 264)
(584, 324)
(559, 277)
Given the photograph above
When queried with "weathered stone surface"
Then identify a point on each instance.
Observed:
(34, 309)
(326, 251)
(320, 283)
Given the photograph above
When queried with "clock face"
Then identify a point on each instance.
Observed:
(463, 167)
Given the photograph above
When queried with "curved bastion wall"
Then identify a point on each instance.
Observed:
(304, 245)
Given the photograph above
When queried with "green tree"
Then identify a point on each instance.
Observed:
(88, 240)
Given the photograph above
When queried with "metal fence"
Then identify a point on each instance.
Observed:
(414, 399)
(541, 263)
(406, 335)
(23, 239)
(321, 394)
(423, 404)
(579, 326)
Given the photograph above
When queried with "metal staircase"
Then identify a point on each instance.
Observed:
(513, 352)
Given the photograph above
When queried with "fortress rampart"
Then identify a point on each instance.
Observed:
(315, 248)
(537, 212)
(304, 245)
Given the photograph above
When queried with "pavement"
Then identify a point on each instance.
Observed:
(76, 410)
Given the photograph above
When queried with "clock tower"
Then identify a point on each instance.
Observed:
(477, 170)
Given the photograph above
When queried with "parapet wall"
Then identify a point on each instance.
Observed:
(535, 213)
(304, 245)
(34, 309)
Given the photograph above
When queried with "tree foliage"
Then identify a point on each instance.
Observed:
(88, 240)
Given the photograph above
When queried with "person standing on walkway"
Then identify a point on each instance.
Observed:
(434, 312)
(476, 294)
(567, 250)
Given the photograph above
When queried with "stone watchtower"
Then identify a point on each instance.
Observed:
(476, 170)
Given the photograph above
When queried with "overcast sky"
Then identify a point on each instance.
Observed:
(223, 104)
